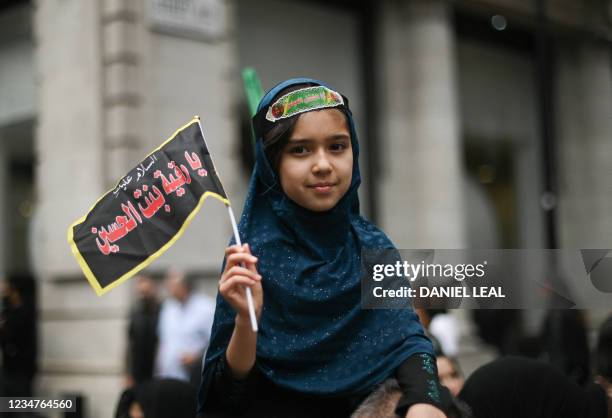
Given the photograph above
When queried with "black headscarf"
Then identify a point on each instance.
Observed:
(164, 398)
(515, 387)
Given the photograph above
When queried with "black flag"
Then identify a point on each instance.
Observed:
(147, 211)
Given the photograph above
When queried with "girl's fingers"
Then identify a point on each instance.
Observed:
(235, 281)
(252, 268)
(233, 249)
(237, 249)
(239, 274)
(251, 265)
(240, 271)
(237, 258)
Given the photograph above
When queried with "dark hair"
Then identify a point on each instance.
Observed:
(189, 282)
(565, 344)
(275, 139)
(25, 285)
(603, 354)
(123, 405)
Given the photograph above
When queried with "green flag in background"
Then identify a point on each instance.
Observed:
(253, 91)
(252, 88)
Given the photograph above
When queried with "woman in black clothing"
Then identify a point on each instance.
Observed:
(515, 387)
(162, 398)
(18, 336)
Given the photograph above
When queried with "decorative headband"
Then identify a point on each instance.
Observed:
(296, 102)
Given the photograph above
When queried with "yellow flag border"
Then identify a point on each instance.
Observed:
(91, 278)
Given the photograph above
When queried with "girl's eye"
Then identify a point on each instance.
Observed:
(338, 147)
(298, 149)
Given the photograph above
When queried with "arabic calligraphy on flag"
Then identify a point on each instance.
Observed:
(147, 211)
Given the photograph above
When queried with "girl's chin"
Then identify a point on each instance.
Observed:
(322, 206)
(317, 205)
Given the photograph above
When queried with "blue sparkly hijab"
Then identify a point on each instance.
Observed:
(314, 337)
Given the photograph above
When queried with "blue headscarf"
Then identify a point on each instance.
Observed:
(314, 337)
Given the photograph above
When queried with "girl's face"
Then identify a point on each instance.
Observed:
(316, 165)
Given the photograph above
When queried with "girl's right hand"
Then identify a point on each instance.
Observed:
(241, 272)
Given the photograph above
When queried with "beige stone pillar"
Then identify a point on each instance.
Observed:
(81, 335)
(584, 131)
(422, 197)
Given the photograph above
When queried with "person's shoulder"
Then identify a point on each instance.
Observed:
(363, 225)
(371, 234)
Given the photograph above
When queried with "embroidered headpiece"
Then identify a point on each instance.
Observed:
(296, 102)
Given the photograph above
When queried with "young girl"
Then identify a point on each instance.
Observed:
(317, 353)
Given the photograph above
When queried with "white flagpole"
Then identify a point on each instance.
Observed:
(249, 294)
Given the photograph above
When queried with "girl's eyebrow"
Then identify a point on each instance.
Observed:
(329, 138)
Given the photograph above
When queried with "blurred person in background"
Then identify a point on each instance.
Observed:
(518, 387)
(442, 328)
(142, 331)
(499, 328)
(450, 374)
(565, 344)
(445, 328)
(18, 337)
(185, 323)
(603, 360)
(164, 398)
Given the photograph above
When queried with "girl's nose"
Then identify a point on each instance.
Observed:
(321, 163)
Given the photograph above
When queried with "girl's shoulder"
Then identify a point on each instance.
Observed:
(370, 235)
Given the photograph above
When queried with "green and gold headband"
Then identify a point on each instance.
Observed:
(303, 100)
(296, 102)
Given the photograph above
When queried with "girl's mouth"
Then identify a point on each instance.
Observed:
(322, 187)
